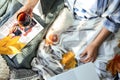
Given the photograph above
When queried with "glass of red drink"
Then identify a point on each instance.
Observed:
(24, 19)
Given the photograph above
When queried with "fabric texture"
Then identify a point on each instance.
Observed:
(108, 9)
(23, 74)
(47, 5)
(48, 64)
(4, 69)
(23, 59)
(75, 39)
(7, 9)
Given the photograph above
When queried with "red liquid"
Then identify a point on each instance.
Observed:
(24, 19)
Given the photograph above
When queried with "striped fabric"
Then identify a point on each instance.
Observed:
(109, 9)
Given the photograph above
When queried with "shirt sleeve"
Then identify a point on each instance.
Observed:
(112, 20)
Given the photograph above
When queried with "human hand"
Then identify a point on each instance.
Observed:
(89, 54)
(26, 9)
(13, 28)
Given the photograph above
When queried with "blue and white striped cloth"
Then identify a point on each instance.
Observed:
(109, 9)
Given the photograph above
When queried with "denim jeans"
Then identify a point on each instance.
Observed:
(7, 9)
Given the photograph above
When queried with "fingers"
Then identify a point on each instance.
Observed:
(89, 54)
(87, 57)
(83, 54)
(95, 56)
(27, 9)
(30, 12)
